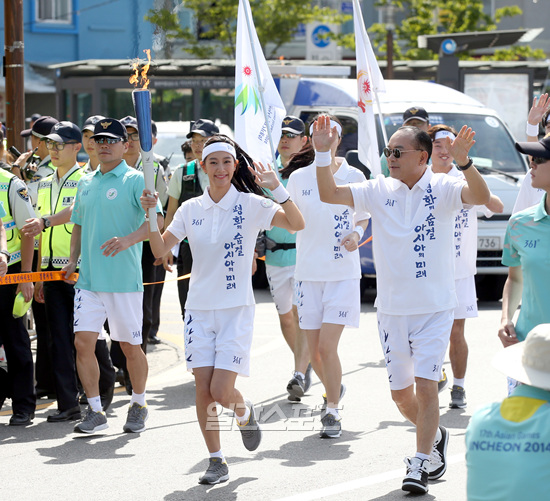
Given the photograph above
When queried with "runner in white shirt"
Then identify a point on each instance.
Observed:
(221, 226)
(465, 250)
(413, 218)
(539, 112)
(328, 273)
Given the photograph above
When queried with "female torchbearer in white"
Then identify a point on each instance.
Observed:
(222, 226)
(328, 271)
(465, 248)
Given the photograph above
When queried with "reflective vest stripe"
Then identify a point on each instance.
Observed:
(12, 233)
(56, 241)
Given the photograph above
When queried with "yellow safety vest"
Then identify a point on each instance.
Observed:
(56, 240)
(12, 233)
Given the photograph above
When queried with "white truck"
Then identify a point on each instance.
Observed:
(494, 153)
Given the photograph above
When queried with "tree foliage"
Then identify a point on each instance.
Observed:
(432, 17)
(276, 22)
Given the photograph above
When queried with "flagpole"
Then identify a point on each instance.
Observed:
(381, 118)
(260, 86)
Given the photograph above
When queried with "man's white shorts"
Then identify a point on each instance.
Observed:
(123, 309)
(414, 345)
(467, 298)
(219, 338)
(281, 285)
(328, 303)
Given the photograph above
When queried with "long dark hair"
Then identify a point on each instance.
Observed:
(242, 179)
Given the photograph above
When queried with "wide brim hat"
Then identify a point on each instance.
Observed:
(529, 361)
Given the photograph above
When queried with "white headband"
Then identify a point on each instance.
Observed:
(219, 146)
(332, 125)
(442, 134)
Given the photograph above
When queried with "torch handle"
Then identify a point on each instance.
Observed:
(148, 163)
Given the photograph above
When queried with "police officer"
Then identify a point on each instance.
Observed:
(89, 144)
(19, 383)
(40, 128)
(55, 201)
(56, 193)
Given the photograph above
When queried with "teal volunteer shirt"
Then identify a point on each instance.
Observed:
(527, 244)
(107, 206)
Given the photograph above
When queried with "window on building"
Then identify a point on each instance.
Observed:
(54, 11)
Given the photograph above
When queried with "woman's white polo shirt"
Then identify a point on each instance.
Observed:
(222, 237)
(319, 256)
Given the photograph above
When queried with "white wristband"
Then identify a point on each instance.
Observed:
(323, 158)
(532, 130)
(360, 231)
(280, 194)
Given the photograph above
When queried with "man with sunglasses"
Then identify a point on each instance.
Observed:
(280, 263)
(525, 252)
(413, 215)
(55, 194)
(109, 226)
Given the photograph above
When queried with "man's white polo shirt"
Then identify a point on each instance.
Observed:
(412, 241)
(319, 256)
(222, 238)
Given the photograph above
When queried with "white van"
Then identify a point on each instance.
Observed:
(494, 153)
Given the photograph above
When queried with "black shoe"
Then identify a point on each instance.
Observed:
(153, 340)
(83, 400)
(21, 418)
(128, 383)
(71, 414)
(107, 397)
(41, 393)
(119, 377)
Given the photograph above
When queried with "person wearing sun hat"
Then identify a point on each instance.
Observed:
(508, 442)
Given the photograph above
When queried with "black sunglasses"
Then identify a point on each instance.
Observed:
(289, 135)
(539, 161)
(396, 153)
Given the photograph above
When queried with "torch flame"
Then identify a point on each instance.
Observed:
(141, 77)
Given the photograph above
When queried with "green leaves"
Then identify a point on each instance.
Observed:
(276, 22)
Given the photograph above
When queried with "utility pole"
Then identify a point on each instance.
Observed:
(14, 72)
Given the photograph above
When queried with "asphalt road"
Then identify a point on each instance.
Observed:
(48, 461)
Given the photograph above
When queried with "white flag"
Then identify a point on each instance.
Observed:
(251, 120)
(369, 80)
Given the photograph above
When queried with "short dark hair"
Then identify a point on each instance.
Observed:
(421, 138)
(186, 147)
(544, 120)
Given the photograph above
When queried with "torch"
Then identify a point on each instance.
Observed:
(142, 107)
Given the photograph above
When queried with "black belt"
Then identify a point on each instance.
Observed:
(277, 247)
